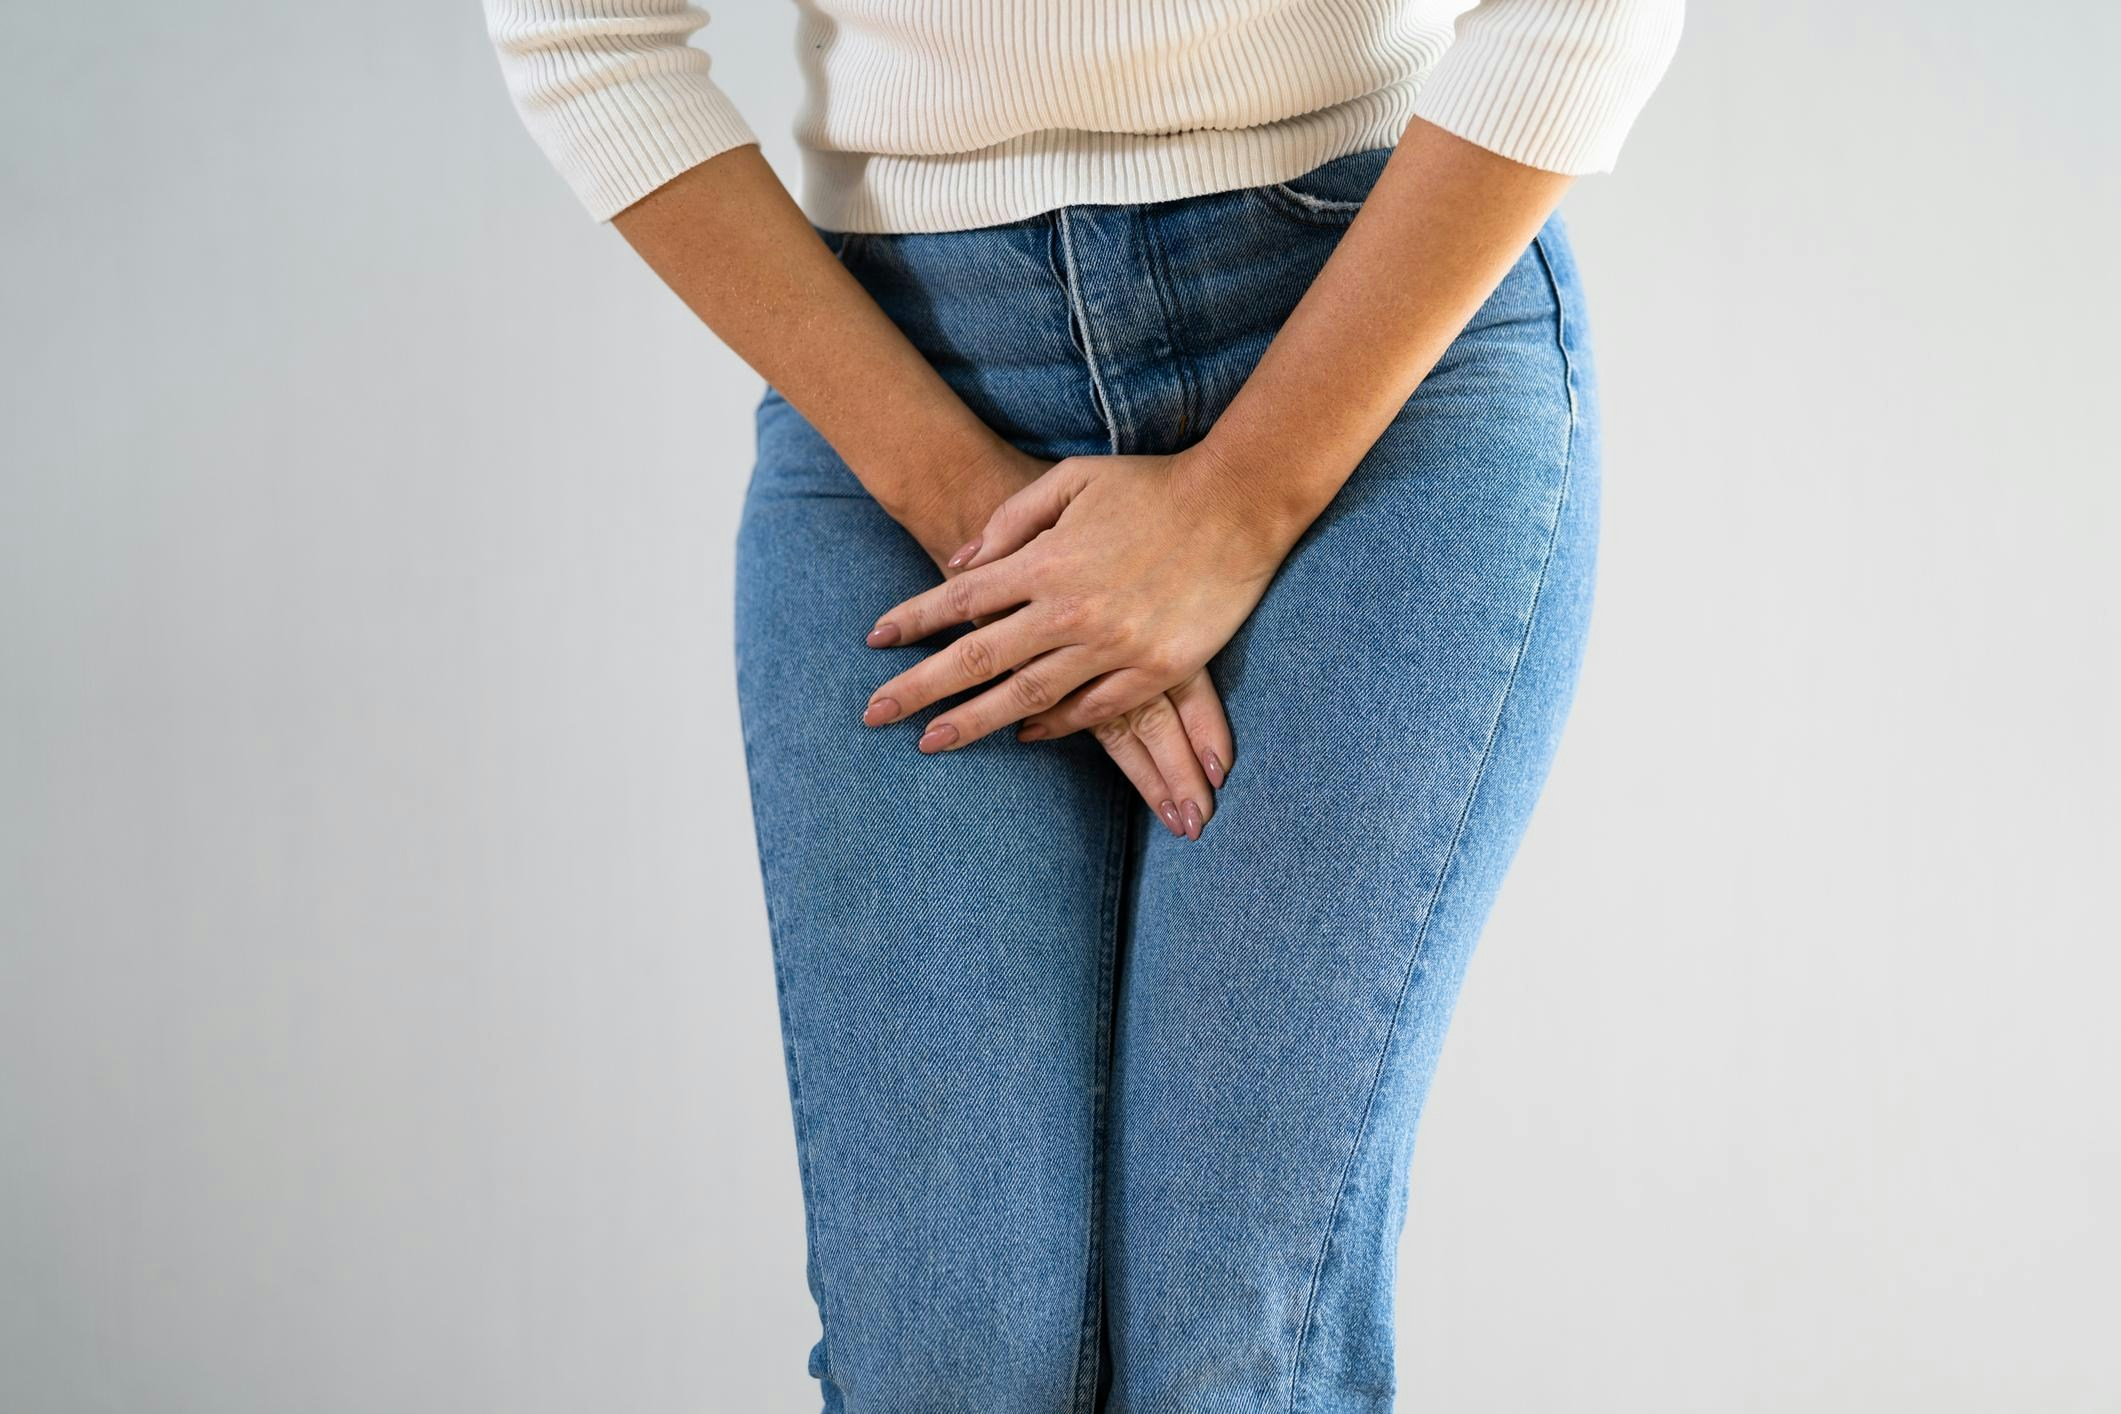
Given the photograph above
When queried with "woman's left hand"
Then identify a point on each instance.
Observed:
(1116, 579)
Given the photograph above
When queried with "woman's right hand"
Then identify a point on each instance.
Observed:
(1174, 749)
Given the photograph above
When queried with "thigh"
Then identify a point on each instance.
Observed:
(942, 933)
(1395, 699)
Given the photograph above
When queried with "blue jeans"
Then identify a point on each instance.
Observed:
(1091, 1117)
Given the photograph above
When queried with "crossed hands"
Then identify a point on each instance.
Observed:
(1099, 592)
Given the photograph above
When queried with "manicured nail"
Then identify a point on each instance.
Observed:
(964, 556)
(1216, 774)
(1032, 731)
(1169, 812)
(937, 737)
(1193, 820)
(884, 709)
(883, 635)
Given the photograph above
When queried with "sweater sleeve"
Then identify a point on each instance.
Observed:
(612, 92)
(1554, 84)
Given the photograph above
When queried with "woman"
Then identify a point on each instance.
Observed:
(1178, 412)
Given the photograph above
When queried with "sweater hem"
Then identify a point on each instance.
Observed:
(892, 194)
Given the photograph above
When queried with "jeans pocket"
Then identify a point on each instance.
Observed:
(1331, 193)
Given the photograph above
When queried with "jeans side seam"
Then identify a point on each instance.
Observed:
(805, 1176)
(1118, 828)
(1561, 339)
(1450, 856)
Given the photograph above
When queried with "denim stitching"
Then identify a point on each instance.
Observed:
(1443, 874)
(1561, 335)
(1158, 262)
(1118, 820)
(1082, 319)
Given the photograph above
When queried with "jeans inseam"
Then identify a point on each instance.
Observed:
(1118, 830)
(1450, 855)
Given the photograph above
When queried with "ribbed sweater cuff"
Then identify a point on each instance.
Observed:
(1554, 84)
(621, 112)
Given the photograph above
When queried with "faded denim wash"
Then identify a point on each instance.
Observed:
(1091, 1117)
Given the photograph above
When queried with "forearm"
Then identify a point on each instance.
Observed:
(731, 242)
(1440, 228)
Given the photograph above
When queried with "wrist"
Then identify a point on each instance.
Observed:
(947, 486)
(1268, 512)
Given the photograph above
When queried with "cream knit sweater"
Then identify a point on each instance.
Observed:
(928, 115)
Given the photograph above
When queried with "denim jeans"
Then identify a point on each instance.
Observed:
(1091, 1117)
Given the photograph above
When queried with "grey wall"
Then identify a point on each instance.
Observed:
(385, 1012)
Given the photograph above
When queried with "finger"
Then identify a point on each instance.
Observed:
(1155, 724)
(984, 619)
(979, 656)
(1200, 707)
(1025, 516)
(1033, 687)
(1121, 690)
(972, 595)
(1135, 763)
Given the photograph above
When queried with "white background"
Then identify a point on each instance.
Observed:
(386, 1021)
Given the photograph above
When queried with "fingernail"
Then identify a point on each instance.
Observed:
(884, 709)
(1216, 774)
(937, 737)
(1193, 820)
(959, 560)
(1032, 731)
(883, 635)
(1169, 812)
